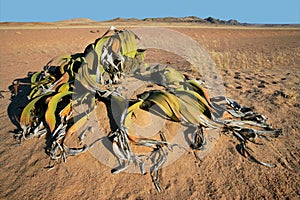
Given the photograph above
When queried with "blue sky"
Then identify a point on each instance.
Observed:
(254, 11)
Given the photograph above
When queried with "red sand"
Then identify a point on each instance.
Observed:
(222, 174)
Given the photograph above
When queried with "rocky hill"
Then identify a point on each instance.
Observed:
(189, 19)
(194, 19)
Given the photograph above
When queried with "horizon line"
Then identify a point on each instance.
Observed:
(141, 19)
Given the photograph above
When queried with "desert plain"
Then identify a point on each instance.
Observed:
(260, 68)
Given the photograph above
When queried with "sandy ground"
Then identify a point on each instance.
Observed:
(260, 69)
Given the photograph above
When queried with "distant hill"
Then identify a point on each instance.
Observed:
(119, 19)
(193, 20)
(189, 19)
(218, 21)
(197, 20)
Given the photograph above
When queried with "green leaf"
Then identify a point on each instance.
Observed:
(173, 76)
(34, 79)
(197, 87)
(27, 111)
(167, 102)
(52, 105)
(128, 43)
(64, 87)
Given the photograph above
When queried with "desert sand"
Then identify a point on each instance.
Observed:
(260, 67)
